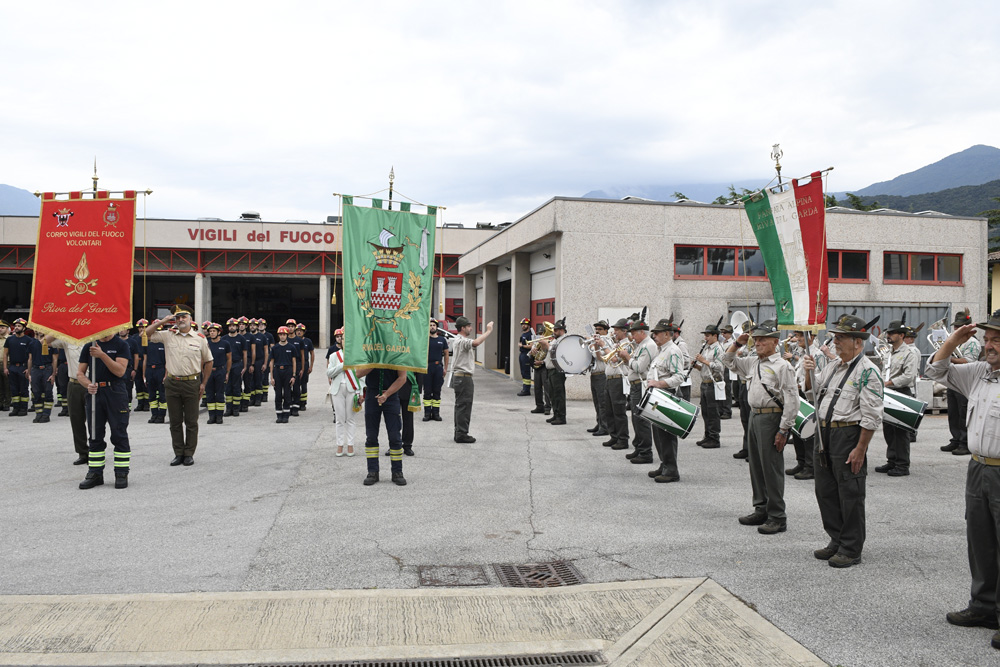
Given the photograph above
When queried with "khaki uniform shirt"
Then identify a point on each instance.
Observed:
(903, 367)
(713, 373)
(861, 398)
(777, 375)
(668, 365)
(463, 355)
(981, 385)
(599, 366)
(642, 357)
(970, 349)
(73, 352)
(613, 370)
(185, 353)
(550, 355)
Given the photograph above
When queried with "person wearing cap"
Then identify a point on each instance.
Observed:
(463, 364)
(803, 468)
(958, 405)
(383, 403)
(107, 407)
(308, 361)
(666, 372)
(773, 394)
(246, 379)
(740, 392)
(345, 388)
(283, 366)
(62, 383)
(555, 379)
(222, 362)
(187, 359)
(300, 361)
(726, 404)
(523, 358)
(848, 399)
(685, 389)
(708, 363)
(43, 374)
(154, 370)
(259, 344)
(637, 366)
(615, 395)
(902, 377)
(437, 365)
(134, 365)
(16, 362)
(978, 381)
(135, 343)
(543, 402)
(599, 381)
(234, 385)
(4, 380)
(265, 380)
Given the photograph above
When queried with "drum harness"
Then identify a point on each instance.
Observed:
(829, 413)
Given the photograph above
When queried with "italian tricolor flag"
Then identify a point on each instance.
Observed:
(790, 228)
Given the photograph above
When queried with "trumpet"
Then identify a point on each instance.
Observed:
(938, 334)
(537, 352)
(612, 359)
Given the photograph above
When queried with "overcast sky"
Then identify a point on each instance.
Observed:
(488, 109)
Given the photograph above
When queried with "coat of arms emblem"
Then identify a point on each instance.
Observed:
(381, 292)
(111, 215)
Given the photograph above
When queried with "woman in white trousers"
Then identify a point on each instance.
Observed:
(344, 386)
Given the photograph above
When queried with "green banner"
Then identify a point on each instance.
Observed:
(388, 286)
(758, 210)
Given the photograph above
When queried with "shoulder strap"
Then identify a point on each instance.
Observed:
(836, 394)
(768, 389)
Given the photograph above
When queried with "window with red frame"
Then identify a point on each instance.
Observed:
(847, 266)
(922, 268)
(718, 263)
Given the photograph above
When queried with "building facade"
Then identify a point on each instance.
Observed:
(588, 259)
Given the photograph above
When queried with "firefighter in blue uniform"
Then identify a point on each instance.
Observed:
(154, 367)
(265, 379)
(300, 359)
(382, 402)
(42, 378)
(282, 368)
(259, 343)
(524, 359)
(437, 366)
(108, 402)
(133, 364)
(222, 361)
(16, 357)
(135, 342)
(308, 359)
(234, 386)
(62, 383)
(242, 324)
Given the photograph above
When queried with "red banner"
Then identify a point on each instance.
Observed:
(82, 286)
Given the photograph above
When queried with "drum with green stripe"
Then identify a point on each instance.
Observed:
(805, 420)
(902, 410)
(668, 412)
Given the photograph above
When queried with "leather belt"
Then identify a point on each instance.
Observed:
(826, 424)
(597, 373)
(765, 411)
(74, 381)
(183, 377)
(281, 368)
(107, 384)
(43, 368)
(985, 460)
(635, 381)
(459, 374)
(155, 365)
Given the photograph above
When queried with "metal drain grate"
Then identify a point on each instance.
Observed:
(539, 575)
(547, 660)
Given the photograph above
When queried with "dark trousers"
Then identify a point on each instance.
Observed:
(598, 394)
(76, 401)
(375, 414)
(256, 377)
(4, 392)
(767, 474)
(154, 385)
(464, 392)
(685, 391)
(840, 493)
(41, 389)
(405, 414)
(666, 448)
(555, 386)
(542, 398)
(897, 440)
(803, 452)
(525, 362)
(297, 391)
(433, 381)
(18, 386)
(108, 410)
(642, 430)
(215, 390)
(982, 533)
(183, 404)
(618, 402)
(141, 393)
(745, 415)
(234, 388)
(726, 404)
(710, 412)
(282, 389)
(62, 381)
(958, 406)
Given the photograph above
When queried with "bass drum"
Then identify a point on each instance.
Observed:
(668, 412)
(571, 355)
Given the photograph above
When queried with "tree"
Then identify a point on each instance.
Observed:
(732, 197)
(993, 223)
(830, 201)
(858, 203)
(680, 195)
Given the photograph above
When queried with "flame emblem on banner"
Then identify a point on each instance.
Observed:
(81, 285)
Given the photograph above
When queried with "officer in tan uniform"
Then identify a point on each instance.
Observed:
(708, 363)
(665, 372)
(849, 410)
(637, 365)
(903, 367)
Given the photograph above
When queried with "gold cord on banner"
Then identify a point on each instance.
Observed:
(442, 284)
(145, 265)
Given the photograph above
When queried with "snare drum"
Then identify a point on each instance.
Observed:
(902, 410)
(668, 412)
(805, 420)
(571, 355)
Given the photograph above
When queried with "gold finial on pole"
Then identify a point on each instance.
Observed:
(392, 177)
(95, 176)
(776, 155)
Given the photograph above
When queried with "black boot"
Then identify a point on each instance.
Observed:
(95, 477)
(371, 478)
(121, 478)
(398, 479)
(427, 415)
(245, 405)
(229, 410)
(64, 412)
(524, 391)
(294, 412)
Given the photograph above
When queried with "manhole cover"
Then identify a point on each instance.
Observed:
(452, 575)
(539, 575)
(544, 660)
